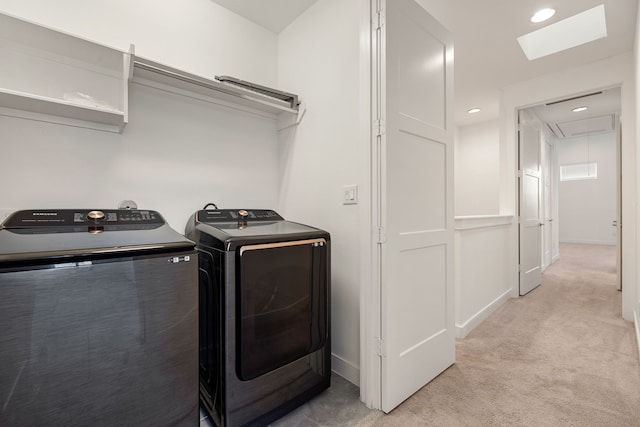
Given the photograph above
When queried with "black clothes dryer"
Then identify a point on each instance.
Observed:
(264, 314)
(98, 320)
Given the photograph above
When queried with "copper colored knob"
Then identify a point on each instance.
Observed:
(95, 215)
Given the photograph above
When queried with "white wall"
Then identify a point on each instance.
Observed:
(319, 57)
(588, 207)
(477, 169)
(197, 36)
(482, 266)
(176, 154)
(482, 236)
(616, 71)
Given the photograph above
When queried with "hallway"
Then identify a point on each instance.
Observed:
(561, 355)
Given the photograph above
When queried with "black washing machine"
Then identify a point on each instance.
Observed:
(98, 320)
(264, 314)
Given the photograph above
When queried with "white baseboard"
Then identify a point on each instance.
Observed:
(464, 329)
(636, 316)
(345, 369)
(590, 242)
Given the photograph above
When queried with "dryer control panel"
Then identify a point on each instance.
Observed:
(230, 215)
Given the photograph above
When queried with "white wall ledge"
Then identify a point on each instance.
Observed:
(482, 221)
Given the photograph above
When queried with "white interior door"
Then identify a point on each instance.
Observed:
(618, 221)
(530, 206)
(547, 190)
(415, 199)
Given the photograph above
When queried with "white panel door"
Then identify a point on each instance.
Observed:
(547, 191)
(618, 221)
(530, 207)
(415, 216)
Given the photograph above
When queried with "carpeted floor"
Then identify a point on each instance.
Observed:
(560, 356)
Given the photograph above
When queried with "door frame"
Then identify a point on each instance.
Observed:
(548, 202)
(370, 301)
(619, 266)
(371, 320)
(594, 77)
(554, 191)
(525, 223)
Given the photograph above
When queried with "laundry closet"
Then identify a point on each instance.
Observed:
(95, 129)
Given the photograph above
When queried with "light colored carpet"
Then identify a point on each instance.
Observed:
(560, 356)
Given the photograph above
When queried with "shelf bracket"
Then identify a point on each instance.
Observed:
(289, 121)
(127, 75)
(131, 54)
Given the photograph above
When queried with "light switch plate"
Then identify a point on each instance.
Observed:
(350, 195)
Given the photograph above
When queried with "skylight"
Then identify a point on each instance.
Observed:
(574, 31)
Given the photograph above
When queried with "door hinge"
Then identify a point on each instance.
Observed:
(379, 128)
(379, 347)
(378, 19)
(382, 235)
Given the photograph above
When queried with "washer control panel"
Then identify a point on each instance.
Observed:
(79, 217)
(229, 215)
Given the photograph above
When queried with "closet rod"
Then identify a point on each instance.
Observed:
(167, 71)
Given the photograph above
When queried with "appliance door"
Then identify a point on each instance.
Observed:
(110, 342)
(210, 331)
(281, 304)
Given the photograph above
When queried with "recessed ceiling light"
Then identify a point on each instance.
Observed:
(542, 15)
(473, 111)
(578, 109)
(574, 31)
